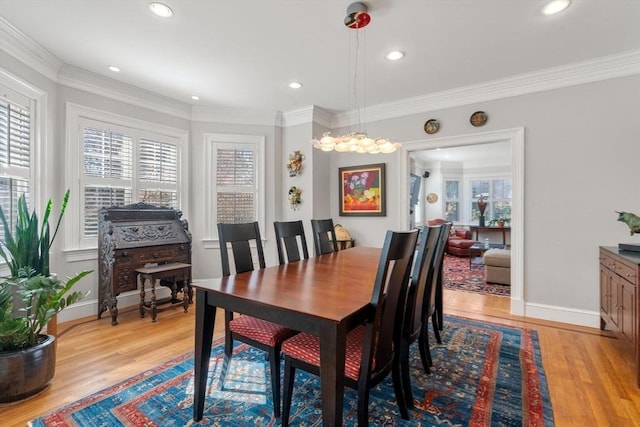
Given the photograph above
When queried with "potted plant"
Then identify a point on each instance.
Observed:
(500, 222)
(29, 298)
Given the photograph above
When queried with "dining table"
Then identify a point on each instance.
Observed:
(327, 295)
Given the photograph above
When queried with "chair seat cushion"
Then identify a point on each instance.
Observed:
(263, 331)
(306, 347)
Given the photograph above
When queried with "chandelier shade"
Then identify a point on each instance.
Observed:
(355, 142)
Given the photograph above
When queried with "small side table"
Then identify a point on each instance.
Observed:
(346, 244)
(175, 271)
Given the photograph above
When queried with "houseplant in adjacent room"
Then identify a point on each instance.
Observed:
(29, 298)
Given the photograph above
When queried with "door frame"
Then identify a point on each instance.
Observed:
(515, 138)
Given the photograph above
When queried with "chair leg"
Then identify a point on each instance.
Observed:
(228, 350)
(363, 404)
(400, 365)
(289, 376)
(425, 352)
(274, 362)
(436, 327)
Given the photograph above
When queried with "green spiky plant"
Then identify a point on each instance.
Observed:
(26, 253)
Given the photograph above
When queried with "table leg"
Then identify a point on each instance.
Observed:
(332, 352)
(154, 308)
(205, 319)
(141, 282)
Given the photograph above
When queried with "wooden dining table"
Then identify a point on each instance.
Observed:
(326, 296)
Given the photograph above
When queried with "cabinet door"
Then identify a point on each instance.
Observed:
(605, 293)
(627, 311)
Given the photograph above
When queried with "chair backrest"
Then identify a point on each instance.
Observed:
(324, 236)
(240, 236)
(291, 234)
(429, 304)
(387, 301)
(422, 273)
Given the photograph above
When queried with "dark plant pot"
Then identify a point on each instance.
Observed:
(24, 373)
(481, 221)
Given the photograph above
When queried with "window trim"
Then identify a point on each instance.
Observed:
(76, 247)
(211, 140)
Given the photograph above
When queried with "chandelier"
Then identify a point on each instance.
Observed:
(357, 142)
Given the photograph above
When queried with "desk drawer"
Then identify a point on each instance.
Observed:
(626, 272)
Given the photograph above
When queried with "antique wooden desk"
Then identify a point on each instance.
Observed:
(136, 236)
(326, 296)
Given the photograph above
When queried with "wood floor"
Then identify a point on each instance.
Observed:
(590, 382)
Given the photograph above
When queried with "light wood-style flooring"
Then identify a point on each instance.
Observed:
(590, 382)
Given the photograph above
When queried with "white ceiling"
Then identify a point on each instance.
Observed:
(243, 53)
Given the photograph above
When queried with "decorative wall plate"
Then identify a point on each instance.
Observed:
(432, 197)
(478, 118)
(431, 126)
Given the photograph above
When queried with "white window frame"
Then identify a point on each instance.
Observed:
(78, 247)
(213, 141)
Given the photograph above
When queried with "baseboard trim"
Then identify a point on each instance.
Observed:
(568, 315)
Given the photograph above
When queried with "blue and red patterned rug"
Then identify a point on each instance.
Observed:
(458, 275)
(484, 374)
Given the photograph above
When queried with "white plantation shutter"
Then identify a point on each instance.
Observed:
(15, 156)
(236, 185)
(122, 167)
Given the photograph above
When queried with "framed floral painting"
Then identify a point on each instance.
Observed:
(362, 191)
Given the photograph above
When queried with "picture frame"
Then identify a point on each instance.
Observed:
(362, 190)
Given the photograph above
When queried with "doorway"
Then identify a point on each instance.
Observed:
(515, 139)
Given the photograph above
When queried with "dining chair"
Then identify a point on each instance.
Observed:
(421, 277)
(291, 235)
(370, 345)
(429, 304)
(258, 333)
(324, 236)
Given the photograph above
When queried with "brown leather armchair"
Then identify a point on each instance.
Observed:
(459, 240)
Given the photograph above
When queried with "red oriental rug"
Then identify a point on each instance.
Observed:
(458, 276)
(483, 375)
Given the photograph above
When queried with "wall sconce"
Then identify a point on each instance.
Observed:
(295, 163)
(294, 198)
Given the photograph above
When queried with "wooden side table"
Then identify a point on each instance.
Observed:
(346, 244)
(174, 271)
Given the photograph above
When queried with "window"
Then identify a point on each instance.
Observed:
(122, 161)
(452, 200)
(15, 154)
(497, 194)
(236, 181)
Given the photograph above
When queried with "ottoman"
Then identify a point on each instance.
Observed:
(497, 266)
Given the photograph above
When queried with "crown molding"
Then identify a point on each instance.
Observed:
(22, 47)
(603, 68)
(93, 83)
(236, 116)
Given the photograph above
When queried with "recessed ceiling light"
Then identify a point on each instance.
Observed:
(295, 85)
(394, 55)
(555, 6)
(161, 10)
(114, 69)
(195, 97)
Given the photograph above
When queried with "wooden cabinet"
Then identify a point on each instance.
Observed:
(619, 302)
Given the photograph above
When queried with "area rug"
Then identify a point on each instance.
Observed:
(483, 374)
(457, 275)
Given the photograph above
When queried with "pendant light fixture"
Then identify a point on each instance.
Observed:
(357, 141)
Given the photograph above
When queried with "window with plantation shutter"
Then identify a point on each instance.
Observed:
(123, 163)
(15, 156)
(236, 181)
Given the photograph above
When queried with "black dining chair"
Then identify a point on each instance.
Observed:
(258, 333)
(369, 346)
(429, 304)
(421, 276)
(290, 241)
(324, 236)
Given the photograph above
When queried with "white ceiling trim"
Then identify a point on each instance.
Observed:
(17, 44)
(26, 50)
(604, 68)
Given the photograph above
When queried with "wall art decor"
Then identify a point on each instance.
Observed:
(294, 198)
(363, 191)
(431, 126)
(295, 163)
(479, 118)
